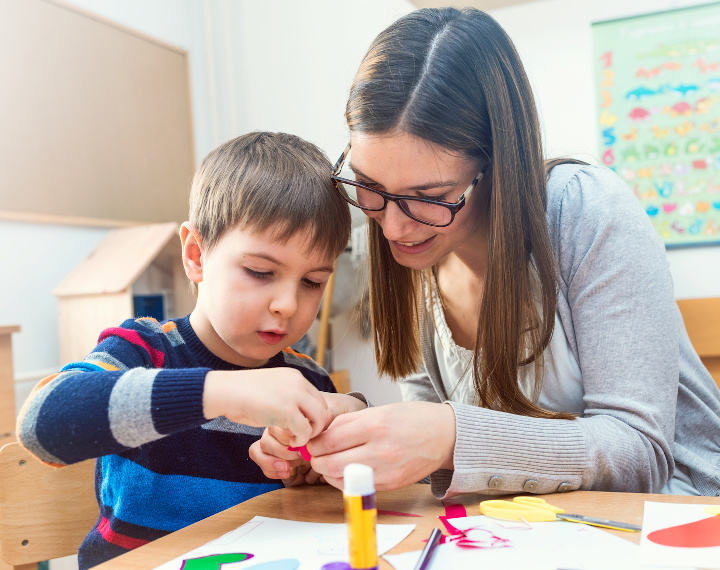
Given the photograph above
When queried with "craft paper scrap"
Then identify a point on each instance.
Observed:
(264, 540)
(537, 546)
(675, 534)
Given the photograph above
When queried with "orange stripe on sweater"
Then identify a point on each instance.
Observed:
(298, 354)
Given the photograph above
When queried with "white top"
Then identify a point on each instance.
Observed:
(562, 389)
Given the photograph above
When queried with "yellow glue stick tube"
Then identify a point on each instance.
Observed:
(360, 516)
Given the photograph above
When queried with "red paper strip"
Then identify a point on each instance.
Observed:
(454, 510)
(303, 451)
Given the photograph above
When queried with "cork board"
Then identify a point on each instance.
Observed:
(95, 118)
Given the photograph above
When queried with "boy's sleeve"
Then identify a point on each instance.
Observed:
(118, 398)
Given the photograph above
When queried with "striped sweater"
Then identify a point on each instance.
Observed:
(135, 403)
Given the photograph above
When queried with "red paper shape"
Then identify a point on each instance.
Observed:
(704, 533)
(303, 451)
(396, 513)
(454, 510)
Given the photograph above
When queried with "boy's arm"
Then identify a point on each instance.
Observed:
(116, 399)
(119, 398)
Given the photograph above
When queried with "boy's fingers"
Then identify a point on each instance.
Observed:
(312, 477)
(315, 409)
(299, 428)
(283, 436)
(271, 466)
(273, 446)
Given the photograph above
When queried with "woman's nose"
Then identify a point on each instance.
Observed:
(394, 222)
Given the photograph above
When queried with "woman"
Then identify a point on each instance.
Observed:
(527, 307)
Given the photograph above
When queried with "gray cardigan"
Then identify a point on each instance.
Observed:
(649, 402)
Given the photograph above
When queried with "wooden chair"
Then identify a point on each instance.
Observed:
(7, 385)
(45, 512)
(340, 378)
(702, 322)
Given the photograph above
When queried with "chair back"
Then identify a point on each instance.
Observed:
(702, 322)
(45, 512)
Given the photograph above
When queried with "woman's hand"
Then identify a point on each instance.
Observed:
(402, 443)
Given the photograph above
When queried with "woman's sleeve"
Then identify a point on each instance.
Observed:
(621, 319)
(417, 387)
(118, 398)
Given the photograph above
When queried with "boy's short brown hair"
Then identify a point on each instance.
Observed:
(272, 181)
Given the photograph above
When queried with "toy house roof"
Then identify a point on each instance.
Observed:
(120, 259)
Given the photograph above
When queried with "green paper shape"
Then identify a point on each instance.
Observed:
(214, 561)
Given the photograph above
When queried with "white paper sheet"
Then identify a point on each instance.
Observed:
(544, 546)
(268, 539)
(667, 515)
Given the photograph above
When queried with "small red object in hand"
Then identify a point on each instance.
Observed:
(303, 451)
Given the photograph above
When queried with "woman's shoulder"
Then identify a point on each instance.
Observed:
(590, 207)
(572, 180)
(581, 191)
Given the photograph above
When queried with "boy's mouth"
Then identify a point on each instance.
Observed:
(271, 337)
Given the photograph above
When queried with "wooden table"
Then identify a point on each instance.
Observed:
(324, 504)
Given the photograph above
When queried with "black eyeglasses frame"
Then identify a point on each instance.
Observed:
(399, 199)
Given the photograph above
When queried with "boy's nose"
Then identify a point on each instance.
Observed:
(285, 301)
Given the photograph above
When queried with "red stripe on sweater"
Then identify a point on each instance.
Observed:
(118, 539)
(156, 356)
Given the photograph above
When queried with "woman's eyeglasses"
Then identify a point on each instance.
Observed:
(424, 210)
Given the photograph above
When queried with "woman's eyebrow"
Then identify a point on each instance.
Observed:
(419, 187)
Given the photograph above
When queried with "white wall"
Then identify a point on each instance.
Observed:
(287, 65)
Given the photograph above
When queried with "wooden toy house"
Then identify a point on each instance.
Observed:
(135, 271)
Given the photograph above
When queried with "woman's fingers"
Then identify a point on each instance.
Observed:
(345, 432)
(402, 442)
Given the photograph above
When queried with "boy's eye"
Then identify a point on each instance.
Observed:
(258, 274)
(312, 284)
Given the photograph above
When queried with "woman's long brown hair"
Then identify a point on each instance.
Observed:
(454, 78)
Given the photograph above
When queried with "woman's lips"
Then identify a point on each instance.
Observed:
(413, 247)
(270, 337)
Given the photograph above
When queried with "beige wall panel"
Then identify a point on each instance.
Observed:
(82, 319)
(96, 119)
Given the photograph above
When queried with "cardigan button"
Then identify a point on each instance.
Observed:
(564, 487)
(530, 485)
(495, 481)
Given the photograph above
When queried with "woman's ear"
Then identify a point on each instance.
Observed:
(191, 252)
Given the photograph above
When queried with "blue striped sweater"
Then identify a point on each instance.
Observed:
(135, 403)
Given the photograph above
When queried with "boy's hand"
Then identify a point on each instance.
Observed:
(272, 455)
(271, 451)
(279, 397)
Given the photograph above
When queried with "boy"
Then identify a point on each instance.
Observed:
(168, 407)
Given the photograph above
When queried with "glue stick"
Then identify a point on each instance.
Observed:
(360, 515)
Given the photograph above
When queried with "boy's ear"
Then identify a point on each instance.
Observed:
(191, 252)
